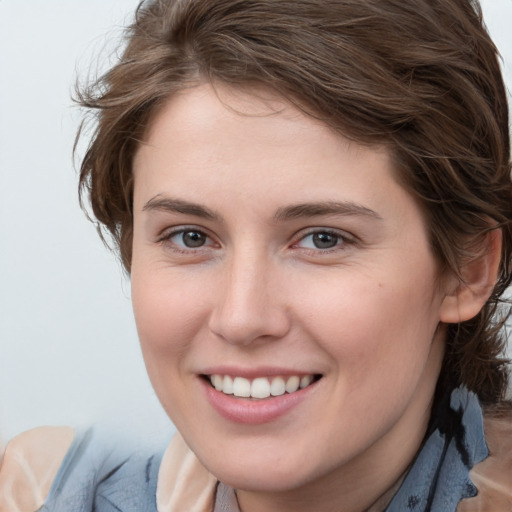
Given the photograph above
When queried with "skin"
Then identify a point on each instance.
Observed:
(366, 313)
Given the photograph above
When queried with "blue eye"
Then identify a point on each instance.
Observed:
(321, 240)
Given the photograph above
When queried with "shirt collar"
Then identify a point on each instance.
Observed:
(439, 477)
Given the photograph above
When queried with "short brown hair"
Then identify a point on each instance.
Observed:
(419, 76)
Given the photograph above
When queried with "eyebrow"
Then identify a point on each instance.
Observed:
(298, 211)
(290, 212)
(172, 205)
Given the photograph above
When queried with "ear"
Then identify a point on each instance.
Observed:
(467, 298)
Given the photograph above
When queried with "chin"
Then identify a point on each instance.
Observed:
(267, 476)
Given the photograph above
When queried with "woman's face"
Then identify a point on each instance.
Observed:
(270, 253)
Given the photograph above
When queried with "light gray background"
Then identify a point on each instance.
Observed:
(68, 346)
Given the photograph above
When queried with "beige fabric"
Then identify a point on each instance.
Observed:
(493, 476)
(29, 466)
(183, 482)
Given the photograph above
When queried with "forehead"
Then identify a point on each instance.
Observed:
(251, 141)
(218, 106)
(254, 115)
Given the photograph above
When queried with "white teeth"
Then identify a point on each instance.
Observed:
(217, 382)
(227, 385)
(241, 387)
(277, 388)
(292, 384)
(304, 382)
(261, 387)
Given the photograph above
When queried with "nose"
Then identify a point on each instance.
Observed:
(249, 305)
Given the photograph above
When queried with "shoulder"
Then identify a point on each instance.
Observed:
(29, 466)
(59, 469)
(493, 476)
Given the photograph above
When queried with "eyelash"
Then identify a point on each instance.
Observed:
(169, 235)
(342, 240)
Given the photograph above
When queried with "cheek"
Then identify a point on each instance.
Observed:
(167, 313)
(168, 317)
(370, 326)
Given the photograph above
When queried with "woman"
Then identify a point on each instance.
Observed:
(313, 200)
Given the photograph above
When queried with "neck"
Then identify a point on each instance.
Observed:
(352, 502)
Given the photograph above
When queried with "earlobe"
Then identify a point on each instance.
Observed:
(480, 274)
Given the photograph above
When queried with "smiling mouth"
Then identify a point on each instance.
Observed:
(260, 387)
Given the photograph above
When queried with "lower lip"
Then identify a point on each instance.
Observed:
(254, 412)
